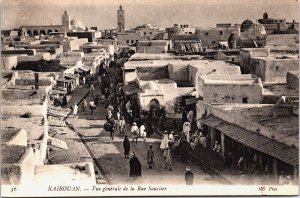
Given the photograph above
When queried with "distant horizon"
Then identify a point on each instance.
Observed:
(102, 14)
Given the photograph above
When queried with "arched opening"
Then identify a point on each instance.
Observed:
(29, 33)
(154, 114)
(154, 108)
(49, 31)
(43, 32)
(35, 32)
(55, 30)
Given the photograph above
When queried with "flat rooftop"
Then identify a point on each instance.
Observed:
(278, 57)
(82, 173)
(23, 93)
(285, 127)
(161, 56)
(161, 63)
(280, 90)
(34, 126)
(233, 79)
(12, 154)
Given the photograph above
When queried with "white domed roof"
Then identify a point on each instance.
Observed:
(76, 22)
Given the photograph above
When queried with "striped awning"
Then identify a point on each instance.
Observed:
(256, 141)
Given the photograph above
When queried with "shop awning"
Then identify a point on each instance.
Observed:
(133, 91)
(131, 88)
(83, 68)
(261, 143)
(191, 101)
(73, 76)
(78, 70)
(211, 121)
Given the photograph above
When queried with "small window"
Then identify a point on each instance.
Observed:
(221, 32)
(206, 33)
(127, 41)
(136, 41)
(277, 68)
(121, 15)
(245, 100)
(132, 41)
(150, 33)
(190, 32)
(144, 33)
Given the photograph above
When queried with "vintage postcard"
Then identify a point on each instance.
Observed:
(149, 98)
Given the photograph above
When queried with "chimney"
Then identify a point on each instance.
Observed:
(36, 80)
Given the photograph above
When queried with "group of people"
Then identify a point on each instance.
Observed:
(138, 132)
(284, 179)
(114, 122)
(135, 165)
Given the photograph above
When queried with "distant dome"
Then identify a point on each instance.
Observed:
(175, 30)
(247, 23)
(76, 23)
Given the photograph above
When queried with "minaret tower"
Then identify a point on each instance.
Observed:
(66, 22)
(121, 19)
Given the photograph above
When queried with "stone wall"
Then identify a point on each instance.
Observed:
(211, 37)
(29, 52)
(179, 73)
(152, 73)
(42, 82)
(128, 38)
(272, 69)
(293, 80)
(19, 172)
(129, 75)
(247, 53)
(193, 75)
(230, 93)
(20, 108)
(8, 62)
(288, 40)
(70, 57)
(152, 49)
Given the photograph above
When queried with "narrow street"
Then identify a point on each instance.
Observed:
(109, 158)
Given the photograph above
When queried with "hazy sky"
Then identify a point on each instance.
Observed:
(164, 13)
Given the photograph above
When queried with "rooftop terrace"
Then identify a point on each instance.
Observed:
(34, 125)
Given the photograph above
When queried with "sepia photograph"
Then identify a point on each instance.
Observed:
(149, 98)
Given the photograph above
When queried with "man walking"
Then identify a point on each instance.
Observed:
(168, 158)
(135, 167)
(150, 156)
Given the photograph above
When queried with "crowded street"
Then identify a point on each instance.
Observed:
(110, 154)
